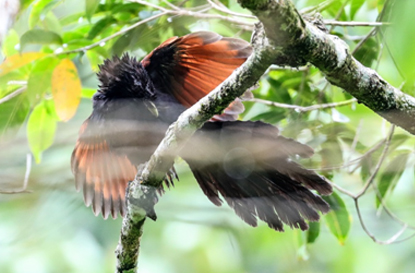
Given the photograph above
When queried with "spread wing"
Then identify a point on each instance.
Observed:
(101, 173)
(191, 66)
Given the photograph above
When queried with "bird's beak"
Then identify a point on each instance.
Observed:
(151, 107)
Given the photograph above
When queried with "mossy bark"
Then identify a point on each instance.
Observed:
(300, 42)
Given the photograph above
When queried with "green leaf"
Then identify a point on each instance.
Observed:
(368, 53)
(397, 140)
(277, 92)
(41, 129)
(90, 8)
(399, 37)
(313, 232)
(100, 26)
(39, 81)
(39, 36)
(355, 5)
(12, 114)
(391, 175)
(337, 219)
(273, 116)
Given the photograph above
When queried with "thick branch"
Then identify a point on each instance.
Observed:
(302, 42)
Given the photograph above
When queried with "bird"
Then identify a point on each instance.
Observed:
(247, 164)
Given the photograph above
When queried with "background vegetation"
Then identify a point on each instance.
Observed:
(47, 79)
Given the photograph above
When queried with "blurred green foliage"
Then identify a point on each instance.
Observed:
(50, 230)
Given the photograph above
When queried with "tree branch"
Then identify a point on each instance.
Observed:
(301, 109)
(141, 194)
(301, 42)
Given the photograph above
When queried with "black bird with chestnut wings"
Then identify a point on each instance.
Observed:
(247, 163)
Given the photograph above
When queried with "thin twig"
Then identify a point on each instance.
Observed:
(228, 11)
(387, 210)
(174, 12)
(341, 189)
(17, 83)
(338, 14)
(353, 161)
(197, 14)
(354, 23)
(391, 240)
(121, 32)
(359, 45)
(13, 94)
(300, 109)
(379, 164)
(25, 180)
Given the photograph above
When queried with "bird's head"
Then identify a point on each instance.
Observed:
(122, 78)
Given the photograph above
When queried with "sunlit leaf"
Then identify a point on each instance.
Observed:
(41, 129)
(66, 89)
(391, 175)
(39, 36)
(40, 78)
(337, 219)
(16, 61)
(90, 8)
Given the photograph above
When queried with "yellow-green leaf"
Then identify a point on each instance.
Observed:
(41, 129)
(16, 61)
(338, 219)
(66, 89)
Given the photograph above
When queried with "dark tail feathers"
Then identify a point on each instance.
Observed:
(249, 164)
